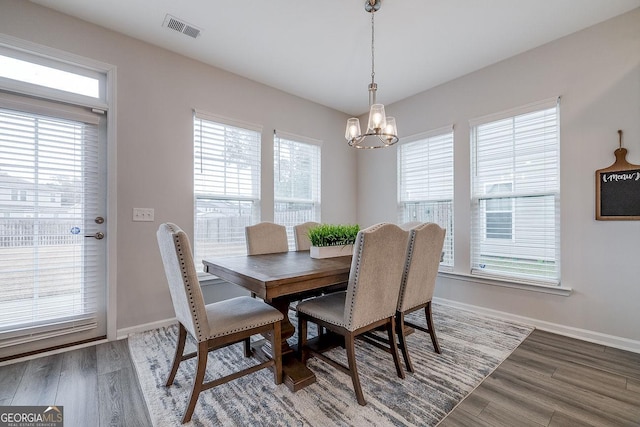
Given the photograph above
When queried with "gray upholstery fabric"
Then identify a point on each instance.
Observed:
(239, 314)
(300, 233)
(204, 321)
(329, 308)
(378, 261)
(184, 286)
(409, 225)
(266, 238)
(421, 268)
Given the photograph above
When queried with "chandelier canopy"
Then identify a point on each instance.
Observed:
(381, 130)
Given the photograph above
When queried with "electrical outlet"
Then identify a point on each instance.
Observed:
(143, 214)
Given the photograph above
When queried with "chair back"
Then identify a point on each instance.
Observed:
(266, 238)
(421, 267)
(376, 274)
(301, 237)
(409, 225)
(186, 294)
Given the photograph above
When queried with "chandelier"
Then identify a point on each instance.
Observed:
(381, 130)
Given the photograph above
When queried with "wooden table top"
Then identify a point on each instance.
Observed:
(276, 275)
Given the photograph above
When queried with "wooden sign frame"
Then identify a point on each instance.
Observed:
(618, 189)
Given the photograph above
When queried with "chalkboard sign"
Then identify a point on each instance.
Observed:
(618, 190)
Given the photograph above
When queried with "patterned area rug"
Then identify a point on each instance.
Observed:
(472, 347)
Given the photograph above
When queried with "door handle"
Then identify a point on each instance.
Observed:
(99, 235)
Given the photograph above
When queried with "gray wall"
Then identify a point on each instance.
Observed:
(156, 92)
(597, 73)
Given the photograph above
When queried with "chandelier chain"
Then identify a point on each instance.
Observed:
(373, 73)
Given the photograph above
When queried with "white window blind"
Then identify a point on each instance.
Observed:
(296, 181)
(51, 275)
(516, 195)
(226, 184)
(425, 183)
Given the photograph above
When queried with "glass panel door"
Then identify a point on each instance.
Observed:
(52, 227)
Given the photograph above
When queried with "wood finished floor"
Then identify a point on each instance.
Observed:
(549, 380)
(96, 386)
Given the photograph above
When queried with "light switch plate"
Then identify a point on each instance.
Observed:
(143, 214)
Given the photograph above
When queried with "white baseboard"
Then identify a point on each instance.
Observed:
(125, 332)
(569, 331)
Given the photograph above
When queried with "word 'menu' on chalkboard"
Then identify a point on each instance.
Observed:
(618, 190)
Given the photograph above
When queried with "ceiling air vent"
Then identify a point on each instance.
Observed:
(180, 26)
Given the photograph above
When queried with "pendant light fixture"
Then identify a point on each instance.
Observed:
(381, 130)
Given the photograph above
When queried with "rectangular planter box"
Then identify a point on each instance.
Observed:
(330, 251)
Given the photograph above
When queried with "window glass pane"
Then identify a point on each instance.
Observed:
(425, 185)
(41, 75)
(227, 187)
(296, 183)
(515, 184)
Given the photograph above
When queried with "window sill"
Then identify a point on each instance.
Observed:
(547, 289)
(207, 279)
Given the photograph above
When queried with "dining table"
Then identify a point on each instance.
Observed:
(280, 279)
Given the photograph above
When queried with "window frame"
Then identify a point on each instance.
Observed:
(315, 146)
(105, 105)
(448, 261)
(48, 57)
(254, 198)
(545, 276)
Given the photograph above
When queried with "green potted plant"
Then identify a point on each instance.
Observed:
(330, 240)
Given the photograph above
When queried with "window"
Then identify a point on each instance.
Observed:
(425, 183)
(226, 184)
(296, 181)
(516, 195)
(54, 78)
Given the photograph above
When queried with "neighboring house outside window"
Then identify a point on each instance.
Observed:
(296, 181)
(515, 182)
(425, 183)
(499, 213)
(226, 184)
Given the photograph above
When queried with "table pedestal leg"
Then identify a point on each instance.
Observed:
(296, 375)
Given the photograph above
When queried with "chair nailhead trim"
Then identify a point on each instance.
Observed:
(403, 286)
(189, 288)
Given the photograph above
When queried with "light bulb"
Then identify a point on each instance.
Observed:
(353, 128)
(377, 118)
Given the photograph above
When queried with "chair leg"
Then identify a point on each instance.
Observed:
(203, 350)
(276, 349)
(351, 357)
(247, 347)
(182, 338)
(432, 330)
(302, 337)
(391, 326)
(403, 341)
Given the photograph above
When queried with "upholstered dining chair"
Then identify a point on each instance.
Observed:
(266, 238)
(301, 237)
(214, 325)
(419, 281)
(369, 302)
(409, 225)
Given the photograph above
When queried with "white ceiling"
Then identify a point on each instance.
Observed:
(321, 51)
